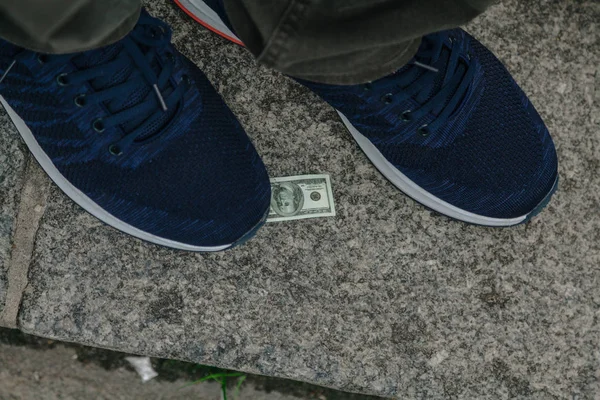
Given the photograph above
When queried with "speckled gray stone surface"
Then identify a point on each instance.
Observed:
(12, 166)
(387, 298)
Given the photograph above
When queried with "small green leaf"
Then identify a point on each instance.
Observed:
(238, 386)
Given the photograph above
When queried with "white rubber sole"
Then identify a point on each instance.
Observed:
(205, 15)
(417, 193)
(84, 201)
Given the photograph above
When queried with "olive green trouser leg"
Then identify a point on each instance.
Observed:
(343, 41)
(66, 26)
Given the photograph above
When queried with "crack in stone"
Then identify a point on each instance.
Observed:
(32, 205)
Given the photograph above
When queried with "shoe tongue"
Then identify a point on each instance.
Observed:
(435, 85)
(141, 92)
(418, 71)
(8, 51)
(100, 56)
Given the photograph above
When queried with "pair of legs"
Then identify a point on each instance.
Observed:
(330, 41)
(134, 133)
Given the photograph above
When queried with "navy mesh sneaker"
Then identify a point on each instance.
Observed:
(451, 129)
(136, 135)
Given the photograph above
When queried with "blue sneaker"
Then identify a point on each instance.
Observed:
(451, 129)
(135, 134)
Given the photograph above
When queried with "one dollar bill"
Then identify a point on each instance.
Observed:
(300, 197)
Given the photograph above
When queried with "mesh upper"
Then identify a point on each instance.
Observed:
(197, 180)
(493, 157)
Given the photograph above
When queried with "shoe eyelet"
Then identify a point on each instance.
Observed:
(62, 80)
(42, 58)
(406, 116)
(367, 87)
(98, 125)
(157, 32)
(388, 98)
(80, 101)
(469, 56)
(423, 130)
(185, 79)
(452, 39)
(115, 150)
